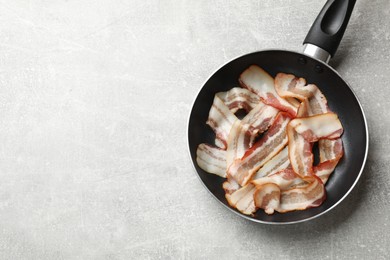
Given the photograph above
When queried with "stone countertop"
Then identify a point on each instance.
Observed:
(94, 101)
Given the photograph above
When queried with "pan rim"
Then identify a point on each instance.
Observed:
(274, 222)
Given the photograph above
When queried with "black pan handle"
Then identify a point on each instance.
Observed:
(329, 27)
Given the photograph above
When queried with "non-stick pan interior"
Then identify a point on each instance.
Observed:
(340, 98)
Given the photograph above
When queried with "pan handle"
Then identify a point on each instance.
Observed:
(325, 34)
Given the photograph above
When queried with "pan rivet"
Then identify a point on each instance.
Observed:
(302, 60)
(318, 68)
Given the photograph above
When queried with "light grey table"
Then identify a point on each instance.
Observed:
(94, 100)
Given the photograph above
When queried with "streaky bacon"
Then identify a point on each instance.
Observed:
(272, 197)
(242, 199)
(313, 101)
(331, 151)
(211, 159)
(277, 163)
(243, 132)
(221, 120)
(260, 82)
(301, 198)
(316, 127)
(268, 189)
(239, 98)
(302, 132)
(262, 151)
(290, 86)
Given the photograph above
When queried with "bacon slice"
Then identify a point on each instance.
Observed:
(277, 163)
(271, 196)
(262, 151)
(260, 82)
(239, 98)
(267, 197)
(230, 186)
(315, 127)
(331, 151)
(302, 131)
(244, 132)
(220, 120)
(287, 85)
(211, 159)
(242, 199)
(309, 196)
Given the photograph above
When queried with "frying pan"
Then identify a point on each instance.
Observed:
(320, 44)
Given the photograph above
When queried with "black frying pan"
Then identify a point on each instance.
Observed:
(320, 43)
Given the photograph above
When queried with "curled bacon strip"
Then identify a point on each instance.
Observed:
(260, 82)
(272, 142)
(242, 199)
(302, 131)
(271, 197)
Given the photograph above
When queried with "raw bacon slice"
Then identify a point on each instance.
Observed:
(331, 152)
(271, 196)
(309, 196)
(302, 131)
(243, 132)
(260, 118)
(287, 85)
(262, 151)
(268, 189)
(290, 86)
(285, 179)
(243, 199)
(238, 142)
(220, 120)
(239, 98)
(211, 159)
(267, 197)
(277, 163)
(315, 127)
(260, 82)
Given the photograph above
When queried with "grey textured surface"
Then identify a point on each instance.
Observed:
(94, 100)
